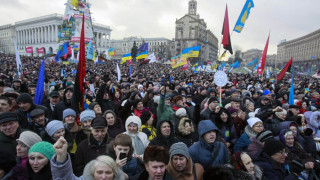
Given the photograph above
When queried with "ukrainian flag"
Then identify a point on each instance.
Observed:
(243, 16)
(111, 52)
(126, 57)
(191, 51)
(142, 55)
(196, 64)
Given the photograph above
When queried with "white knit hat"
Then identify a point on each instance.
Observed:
(181, 112)
(252, 121)
(29, 138)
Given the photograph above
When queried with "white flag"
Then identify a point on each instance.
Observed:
(152, 58)
(118, 72)
(78, 56)
(18, 61)
(72, 54)
(96, 60)
(107, 56)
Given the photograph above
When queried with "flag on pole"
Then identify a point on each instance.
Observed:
(111, 52)
(72, 54)
(18, 60)
(75, 3)
(222, 55)
(253, 62)
(78, 91)
(40, 86)
(90, 51)
(291, 94)
(118, 72)
(96, 60)
(268, 73)
(152, 58)
(243, 16)
(263, 58)
(130, 70)
(226, 41)
(284, 70)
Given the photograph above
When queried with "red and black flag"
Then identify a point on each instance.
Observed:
(78, 92)
(226, 41)
(287, 68)
(146, 61)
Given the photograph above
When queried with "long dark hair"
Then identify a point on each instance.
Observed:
(218, 121)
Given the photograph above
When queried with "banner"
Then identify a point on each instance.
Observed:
(90, 51)
(29, 50)
(41, 50)
(178, 61)
(77, 30)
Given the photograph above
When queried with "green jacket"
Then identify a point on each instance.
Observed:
(163, 111)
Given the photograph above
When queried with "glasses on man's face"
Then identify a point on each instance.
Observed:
(284, 152)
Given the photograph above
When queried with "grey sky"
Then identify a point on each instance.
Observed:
(286, 19)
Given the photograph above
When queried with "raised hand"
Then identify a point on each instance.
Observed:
(61, 147)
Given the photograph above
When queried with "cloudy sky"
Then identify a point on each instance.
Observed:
(285, 19)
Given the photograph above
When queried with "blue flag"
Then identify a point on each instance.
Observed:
(90, 51)
(223, 65)
(65, 49)
(253, 62)
(256, 67)
(291, 94)
(40, 86)
(171, 78)
(243, 16)
(143, 47)
(130, 70)
(58, 56)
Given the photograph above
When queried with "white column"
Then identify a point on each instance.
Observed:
(32, 36)
(28, 36)
(48, 33)
(25, 36)
(97, 39)
(17, 37)
(53, 33)
(38, 34)
(56, 34)
(41, 34)
(45, 34)
(101, 39)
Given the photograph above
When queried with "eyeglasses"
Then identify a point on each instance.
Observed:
(283, 152)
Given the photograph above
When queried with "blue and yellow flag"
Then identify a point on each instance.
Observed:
(243, 16)
(111, 52)
(126, 57)
(142, 55)
(196, 64)
(222, 55)
(191, 51)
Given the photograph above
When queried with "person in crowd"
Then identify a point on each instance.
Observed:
(226, 127)
(257, 143)
(164, 111)
(245, 169)
(186, 132)
(63, 104)
(26, 140)
(155, 160)
(102, 167)
(5, 104)
(7, 163)
(26, 105)
(254, 127)
(274, 124)
(53, 101)
(92, 147)
(212, 104)
(272, 161)
(39, 122)
(54, 130)
(139, 139)
(165, 134)
(177, 116)
(181, 165)
(39, 156)
(147, 125)
(96, 108)
(293, 112)
(9, 130)
(208, 151)
(103, 99)
(121, 150)
(12, 95)
(115, 125)
(86, 118)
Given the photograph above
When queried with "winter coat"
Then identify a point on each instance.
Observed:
(10, 143)
(160, 140)
(255, 148)
(244, 140)
(142, 136)
(188, 139)
(163, 111)
(245, 175)
(271, 169)
(202, 152)
(105, 104)
(239, 125)
(24, 117)
(67, 136)
(315, 121)
(116, 128)
(307, 142)
(88, 150)
(191, 170)
(198, 99)
(44, 173)
(64, 171)
(205, 114)
(273, 125)
(41, 131)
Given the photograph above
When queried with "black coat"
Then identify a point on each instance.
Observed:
(164, 141)
(89, 149)
(117, 128)
(24, 117)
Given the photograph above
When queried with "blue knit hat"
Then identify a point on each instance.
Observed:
(69, 112)
(53, 126)
(87, 115)
(44, 148)
(266, 92)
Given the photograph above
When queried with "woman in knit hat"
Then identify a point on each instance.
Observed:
(255, 125)
(115, 125)
(86, 118)
(139, 139)
(147, 125)
(25, 141)
(181, 166)
(245, 169)
(54, 130)
(257, 143)
(39, 156)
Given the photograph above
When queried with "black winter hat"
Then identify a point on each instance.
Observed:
(8, 116)
(91, 105)
(36, 112)
(25, 97)
(273, 146)
(99, 122)
(145, 116)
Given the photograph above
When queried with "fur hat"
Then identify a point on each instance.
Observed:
(145, 116)
(273, 146)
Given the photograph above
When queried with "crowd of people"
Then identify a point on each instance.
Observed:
(156, 123)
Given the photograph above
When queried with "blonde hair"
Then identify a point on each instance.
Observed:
(103, 160)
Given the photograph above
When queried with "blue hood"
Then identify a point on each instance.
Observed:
(206, 126)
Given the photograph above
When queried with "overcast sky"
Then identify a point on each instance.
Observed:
(285, 19)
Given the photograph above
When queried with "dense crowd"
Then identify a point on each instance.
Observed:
(155, 123)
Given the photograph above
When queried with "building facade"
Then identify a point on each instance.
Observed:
(302, 49)
(42, 32)
(191, 31)
(251, 55)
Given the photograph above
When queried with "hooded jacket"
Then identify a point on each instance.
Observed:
(202, 152)
(183, 136)
(61, 106)
(160, 140)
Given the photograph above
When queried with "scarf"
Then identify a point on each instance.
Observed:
(137, 144)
